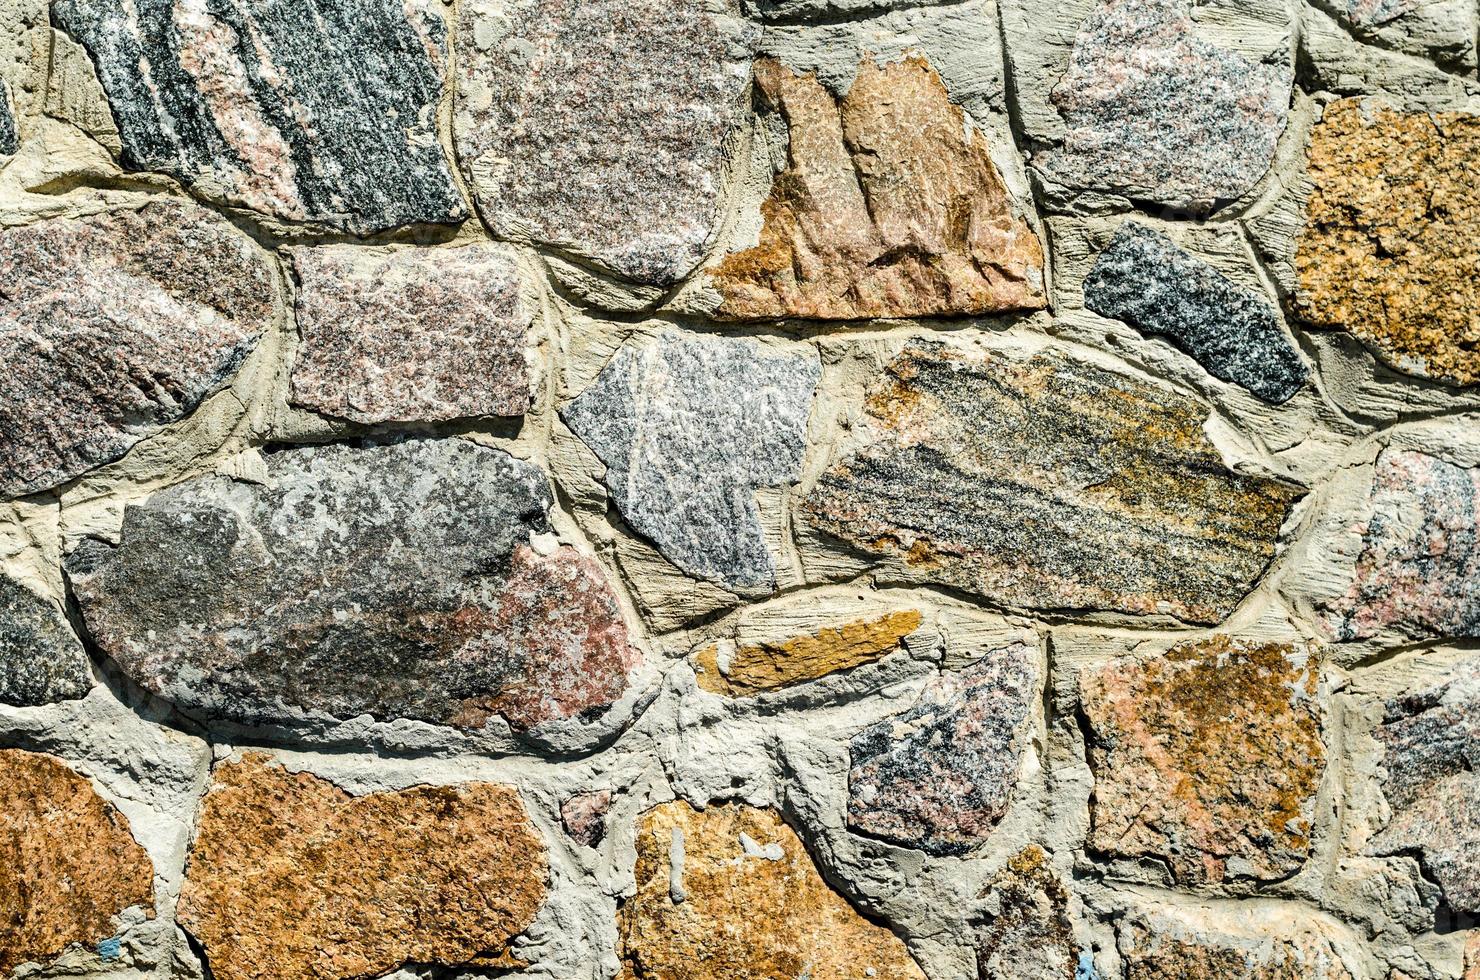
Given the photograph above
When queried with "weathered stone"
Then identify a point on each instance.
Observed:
(1387, 252)
(1030, 937)
(1046, 482)
(395, 581)
(730, 893)
(753, 668)
(1206, 758)
(1431, 757)
(689, 428)
(1150, 283)
(1156, 114)
(1420, 559)
(584, 816)
(41, 660)
(68, 863)
(113, 325)
(9, 135)
(890, 206)
(291, 878)
(313, 111)
(599, 126)
(410, 334)
(1472, 957)
(827, 10)
(1373, 13)
(1170, 944)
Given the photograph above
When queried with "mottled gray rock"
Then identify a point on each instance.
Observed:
(1154, 113)
(939, 776)
(689, 428)
(1150, 283)
(115, 324)
(320, 110)
(1029, 935)
(827, 10)
(410, 334)
(41, 660)
(598, 126)
(397, 581)
(9, 136)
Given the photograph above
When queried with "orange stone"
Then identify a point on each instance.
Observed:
(758, 667)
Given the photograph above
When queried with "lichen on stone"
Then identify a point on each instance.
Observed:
(752, 668)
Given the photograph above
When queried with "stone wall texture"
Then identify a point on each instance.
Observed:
(740, 489)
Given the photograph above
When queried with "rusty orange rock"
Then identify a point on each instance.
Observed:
(757, 667)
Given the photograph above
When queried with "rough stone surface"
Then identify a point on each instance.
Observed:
(1372, 13)
(940, 775)
(753, 668)
(1154, 113)
(1207, 758)
(1030, 937)
(395, 581)
(9, 134)
(1150, 283)
(282, 866)
(410, 334)
(315, 111)
(41, 660)
(68, 862)
(1420, 561)
(890, 206)
(599, 126)
(113, 325)
(1049, 483)
(584, 816)
(1388, 248)
(730, 893)
(689, 428)
(1168, 945)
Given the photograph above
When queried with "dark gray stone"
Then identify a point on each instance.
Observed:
(1150, 283)
(318, 110)
(9, 137)
(41, 660)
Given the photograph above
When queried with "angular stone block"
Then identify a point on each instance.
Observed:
(41, 659)
(748, 669)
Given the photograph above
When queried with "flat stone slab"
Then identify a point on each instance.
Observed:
(397, 581)
(410, 334)
(283, 864)
(1164, 943)
(1145, 280)
(115, 324)
(748, 669)
(41, 659)
(598, 127)
(322, 111)
(689, 427)
(889, 206)
(939, 776)
(1045, 482)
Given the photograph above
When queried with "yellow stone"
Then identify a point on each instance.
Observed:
(758, 667)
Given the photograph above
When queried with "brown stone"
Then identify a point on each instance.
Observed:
(291, 878)
(1388, 251)
(730, 893)
(1186, 944)
(1472, 956)
(1030, 937)
(68, 862)
(889, 206)
(1206, 758)
(757, 667)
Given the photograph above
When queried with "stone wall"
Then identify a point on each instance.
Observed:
(811, 489)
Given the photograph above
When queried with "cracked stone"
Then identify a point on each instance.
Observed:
(1156, 114)
(690, 427)
(69, 865)
(286, 600)
(890, 206)
(1207, 758)
(1045, 482)
(637, 97)
(283, 863)
(1147, 281)
(750, 905)
(753, 668)
(315, 111)
(584, 816)
(410, 334)
(1030, 936)
(113, 325)
(41, 659)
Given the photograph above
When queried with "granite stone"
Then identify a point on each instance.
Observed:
(689, 427)
(1030, 935)
(41, 659)
(584, 816)
(1233, 332)
(10, 140)
(113, 325)
(1374, 13)
(397, 581)
(316, 111)
(1047, 482)
(598, 127)
(827, 11)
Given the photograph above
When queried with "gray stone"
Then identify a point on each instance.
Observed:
(41, 660)
(598, 126)
(1150, 283)
(823, 11)
(114, 324)
(396, 581)
(9, 137)
(939, 776)
(689, 428)
(1156, 114)
(322, 111)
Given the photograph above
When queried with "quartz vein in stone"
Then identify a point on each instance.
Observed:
(41, 659)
